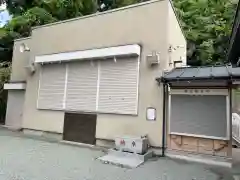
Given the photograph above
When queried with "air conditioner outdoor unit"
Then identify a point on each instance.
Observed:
(137, 145)
(153, 59)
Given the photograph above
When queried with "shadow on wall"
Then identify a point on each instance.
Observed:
(3, 106)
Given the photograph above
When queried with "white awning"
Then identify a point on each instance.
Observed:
(15, 86)
(126, 50)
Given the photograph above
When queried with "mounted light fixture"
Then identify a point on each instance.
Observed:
(23, 47)
(30, 68)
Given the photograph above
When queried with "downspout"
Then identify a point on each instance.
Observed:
(230, 118)
(164, 118)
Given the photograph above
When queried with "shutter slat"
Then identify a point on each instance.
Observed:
(51, 90)
(82, 86)
(118, 86)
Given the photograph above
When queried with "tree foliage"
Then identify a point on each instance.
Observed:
(112, 4)
(32, 17)
(207, 25)
(59, 9)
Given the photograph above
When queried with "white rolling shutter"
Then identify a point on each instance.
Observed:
(51, 86)
(118, 87)
(103, 86)
(81, 89)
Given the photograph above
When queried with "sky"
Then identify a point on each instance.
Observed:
(4, 15)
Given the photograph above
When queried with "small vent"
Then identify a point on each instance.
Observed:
(153, 59)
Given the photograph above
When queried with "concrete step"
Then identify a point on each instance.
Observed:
(236, 177)
(125, 159)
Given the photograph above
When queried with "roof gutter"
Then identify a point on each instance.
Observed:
(164, 80)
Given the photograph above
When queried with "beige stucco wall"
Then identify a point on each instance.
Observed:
(33, 118)
(145, 24)
(15, 108)
(19, 61)
(176, 39)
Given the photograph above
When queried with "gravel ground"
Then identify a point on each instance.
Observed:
(24, 158)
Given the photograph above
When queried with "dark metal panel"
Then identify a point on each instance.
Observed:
(200, 84)
(204, 72)
(175, 73)
(201, 73)
(199, 115)
(220, 71)
(80, 128)
(189, 72)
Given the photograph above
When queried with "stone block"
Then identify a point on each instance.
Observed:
(190, 148)
(192, 141)
(219, 144)
(175, 145)
(176, 139)
(222, 152)
(202, 150)
(205, 144)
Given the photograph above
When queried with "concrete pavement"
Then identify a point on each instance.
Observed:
(236, 162)
(23, 158)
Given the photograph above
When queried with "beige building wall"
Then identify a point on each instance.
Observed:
(19, 61)
(35, 119)
(15, 102)
(15, 109)
(176, 40)
(145, 24)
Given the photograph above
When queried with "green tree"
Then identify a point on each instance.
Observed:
(33, 17)
(112, 4)
(60, 9)
(207, 25)
(66, 9)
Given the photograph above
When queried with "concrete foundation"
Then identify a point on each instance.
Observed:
(200, 158)
(50, 136)
(221, 148)
(125, 159)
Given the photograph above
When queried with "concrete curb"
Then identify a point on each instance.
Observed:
(13, 129)
(201, 161)
(82, 145)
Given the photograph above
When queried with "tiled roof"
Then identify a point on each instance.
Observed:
(201, 73)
